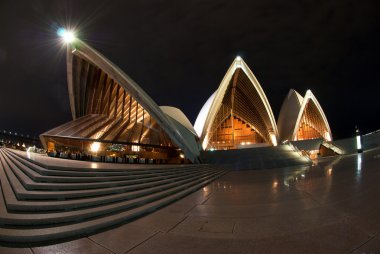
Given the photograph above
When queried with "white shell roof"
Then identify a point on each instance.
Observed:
(209, 110)
(179, 116)
(291, 114)
(288, 115)
(310, 96)
(86, 52)
(202, 116)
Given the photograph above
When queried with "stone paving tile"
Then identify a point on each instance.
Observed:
(218, 226)
(338, 237)
(268, 226)
(247, 197)
(207, 227)
(253, 210)
(334, 238)
(123, 238)
(174, 244)
(6, 250)
(160, 221)
(80, 246)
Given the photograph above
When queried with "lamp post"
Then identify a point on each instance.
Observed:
(358, 140)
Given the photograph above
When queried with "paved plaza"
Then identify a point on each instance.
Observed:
(330, 207)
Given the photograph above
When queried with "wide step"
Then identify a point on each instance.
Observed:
(42, 203)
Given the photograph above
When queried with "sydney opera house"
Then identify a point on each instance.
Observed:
(114, 118)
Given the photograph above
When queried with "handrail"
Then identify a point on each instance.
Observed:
(295, 149)
(332, 147)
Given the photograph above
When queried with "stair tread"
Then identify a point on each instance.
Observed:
(91, 226)
(35, 217)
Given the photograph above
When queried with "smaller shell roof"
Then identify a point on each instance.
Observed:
(179, 116)
(309, 96)
(202, 116)
(183, 126)
(288, 115)
(291, 113)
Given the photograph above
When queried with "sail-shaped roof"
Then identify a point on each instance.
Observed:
(311, 115)
(288, 115)
(302, 118)
(107, 105)
(240, 100)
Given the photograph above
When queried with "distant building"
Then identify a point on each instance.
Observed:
(18, 140)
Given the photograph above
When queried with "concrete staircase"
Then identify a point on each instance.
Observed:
(40, 203)
(257, 158)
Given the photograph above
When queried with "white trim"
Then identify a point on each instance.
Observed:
(288, 115)
(202, 116)
(219, 95)
(310, 96)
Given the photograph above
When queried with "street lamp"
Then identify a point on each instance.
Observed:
(67, 35)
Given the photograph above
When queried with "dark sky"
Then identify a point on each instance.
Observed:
(178, 52)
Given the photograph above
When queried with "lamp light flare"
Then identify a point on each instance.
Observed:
(67, 36)
(95, 147)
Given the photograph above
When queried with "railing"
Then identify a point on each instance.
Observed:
(332, 147)
(295, 149)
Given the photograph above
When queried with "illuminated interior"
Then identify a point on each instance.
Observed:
(312, 125)
(108, 116)
(232, 132)
(241, 119)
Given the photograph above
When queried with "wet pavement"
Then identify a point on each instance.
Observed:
(330, 207)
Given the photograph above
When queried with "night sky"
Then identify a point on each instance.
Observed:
(178, 52)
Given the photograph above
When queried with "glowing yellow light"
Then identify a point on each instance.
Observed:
(182, 155)
(273, 139)
(95, 147)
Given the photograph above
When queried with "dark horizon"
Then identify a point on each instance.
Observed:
(179, 52)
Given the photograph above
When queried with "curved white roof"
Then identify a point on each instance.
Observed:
(209, 110)
(84, 51)
(309, 96)
(179, 116)
(288, 115)
(202, 116)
